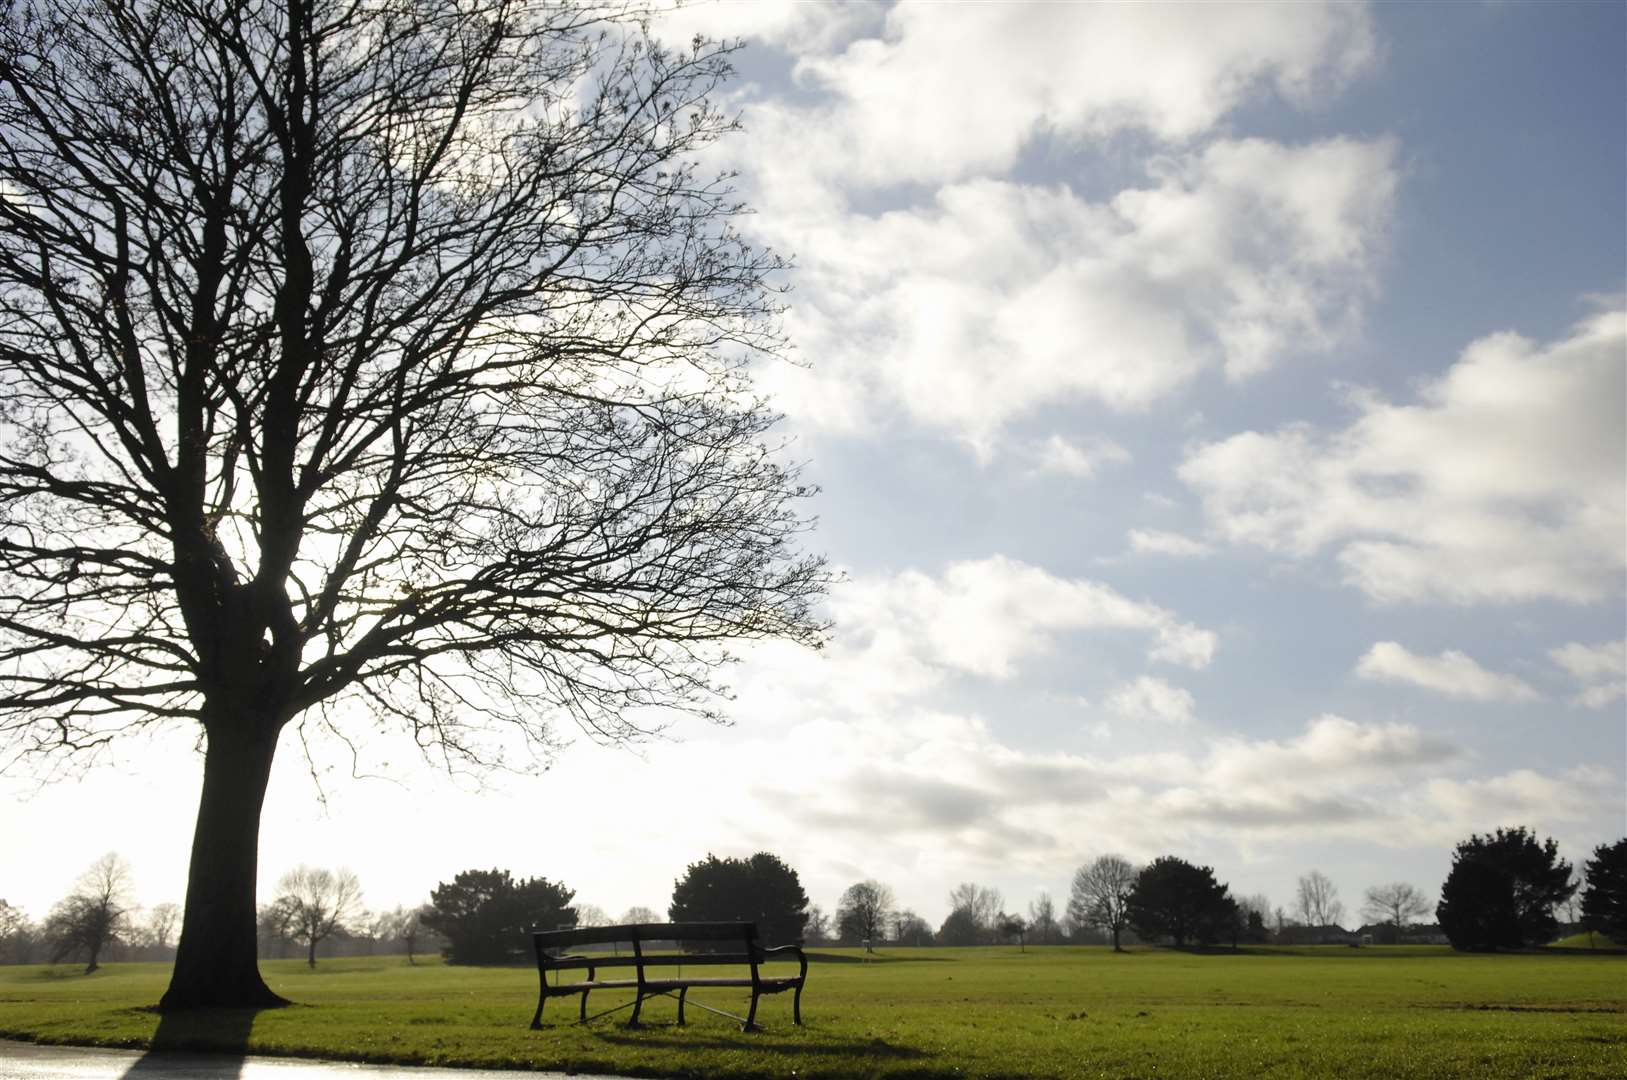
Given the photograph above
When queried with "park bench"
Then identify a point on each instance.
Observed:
(657, 961)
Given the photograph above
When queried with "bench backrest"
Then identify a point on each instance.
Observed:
(680, 932)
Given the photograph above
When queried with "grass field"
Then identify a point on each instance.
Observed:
(1051, 1012)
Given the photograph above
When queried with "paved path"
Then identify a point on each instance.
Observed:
(26, 1061)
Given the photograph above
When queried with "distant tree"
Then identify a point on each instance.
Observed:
(485, 915)
(591, 915)
(92, 917)
(18, 935)
(1012, 926)
(861, 914)
(273, 927)
(1101, 895)
(1397, 905)
(1174, 898)
(981, 902)
(1501, 891)
(638, 915)
(1042, 922)
(162, 922)
(816, 926)
(1604, 903)
(1317, 900)
(319, 903)
(960, 928)
(761, 890)
(910, 929)
(400, 924)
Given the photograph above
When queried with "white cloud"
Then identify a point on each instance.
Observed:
(1147, 698)
(1159, 542)
(1078, 458)
(1600, 669)
(1451, 673)
(951, 91)
(1503, 482)
(798, 26)
(999, 299)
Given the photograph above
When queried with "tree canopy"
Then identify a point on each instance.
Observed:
(485, 914)
(385, 358)
(1501, 891)
(1174, 898)
(1604, 902)
(761, 890)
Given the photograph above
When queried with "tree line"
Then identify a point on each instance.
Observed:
(1503, 891)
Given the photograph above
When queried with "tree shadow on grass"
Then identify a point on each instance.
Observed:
(196, 1043)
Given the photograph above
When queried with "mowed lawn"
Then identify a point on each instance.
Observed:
(1046, 1012)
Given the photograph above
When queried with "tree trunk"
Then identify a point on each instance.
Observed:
(215, 959)
(310, 954)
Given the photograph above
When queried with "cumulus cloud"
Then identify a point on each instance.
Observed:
(1081, 458)
(1451, 673)
(1600, 669)
(997, 298)
(1502, 482)
(1159, 542)
(949, 91)
(1147, 698)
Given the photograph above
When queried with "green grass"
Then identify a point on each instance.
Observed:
(1051, 1012)
(1585, 941)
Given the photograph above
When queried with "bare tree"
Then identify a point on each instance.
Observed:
(1042, 918)
(979, 907)
(1397, 904)
(591, 915)
(1318, 901)
(861, 914)
(390, 355)
(162, 921)
(1101, 894)
(18, 935)
(318, 903)
(91, 917)
(816, 926)
(634, 916)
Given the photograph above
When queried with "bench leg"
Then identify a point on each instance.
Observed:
(536, 1018)
(682, 992)
(796, 1007)
(751, 1015)
(638, 1003)
(582, 1013)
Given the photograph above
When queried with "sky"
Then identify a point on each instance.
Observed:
(1220, 414)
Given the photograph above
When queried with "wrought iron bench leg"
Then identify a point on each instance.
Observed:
(751, 1015)
(582, 1013)
(683, 991)
(536, 1019)
(796, 1006)
(638, 1003)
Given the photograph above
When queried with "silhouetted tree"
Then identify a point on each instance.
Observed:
(1013, 926)
(1317, 900)
(910, 929)
(1396, 905)
(1604, 901)
(1501, 891)
(318, 903)
(861, 914)
(392, 355)
(960, 928)
(761, 890)
(92, 917)
(639, 915)
(485, 915)
(981, 908)
(1101, 895)
(1174, 898)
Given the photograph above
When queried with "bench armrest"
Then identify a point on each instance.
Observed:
(793, 950)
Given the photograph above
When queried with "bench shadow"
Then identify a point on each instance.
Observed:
(200, 1042)
(764, 1040)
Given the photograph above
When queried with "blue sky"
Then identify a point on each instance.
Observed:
(1220, 419)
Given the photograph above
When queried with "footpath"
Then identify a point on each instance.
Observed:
(28, 1061)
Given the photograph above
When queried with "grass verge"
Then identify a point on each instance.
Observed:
(931, 1013)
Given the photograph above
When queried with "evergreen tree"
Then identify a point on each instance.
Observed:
(1604, 902)
(1501, 891)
